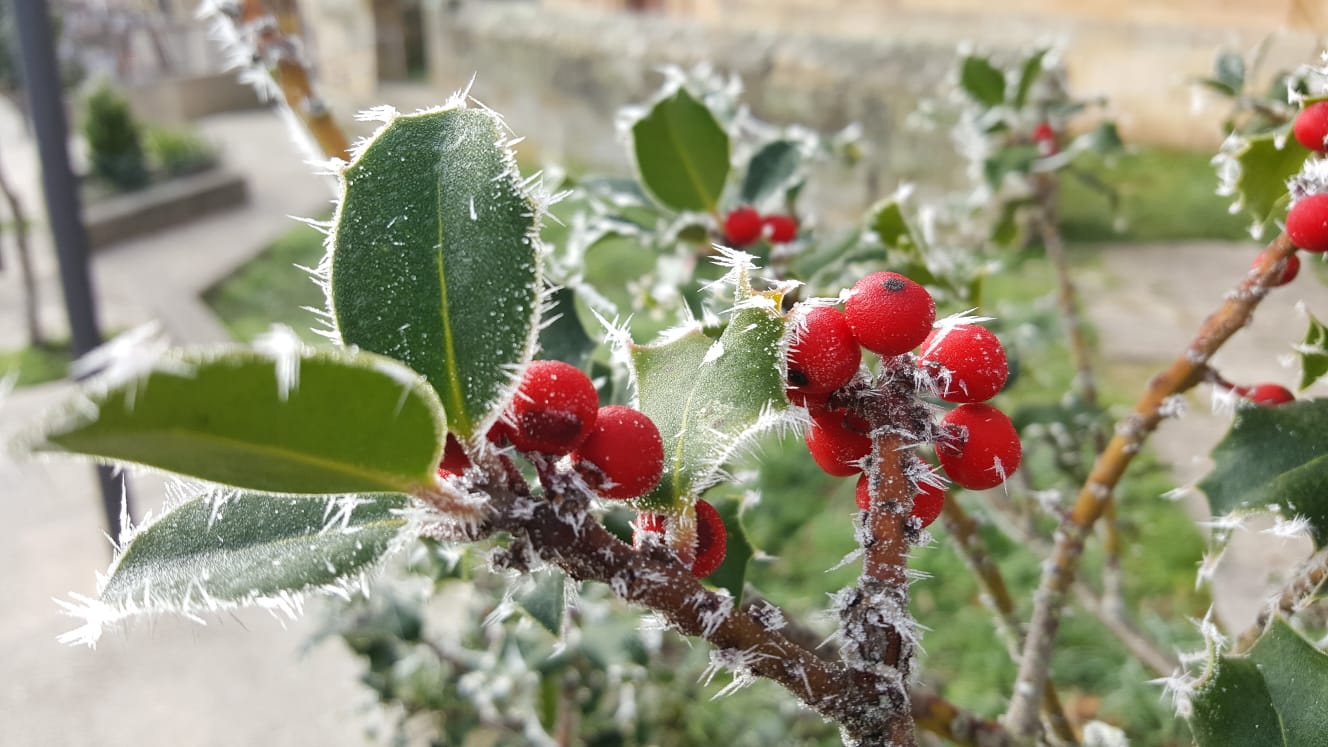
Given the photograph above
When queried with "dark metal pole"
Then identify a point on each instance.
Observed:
(41, 78)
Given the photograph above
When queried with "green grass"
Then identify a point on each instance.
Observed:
(1165, 195)
(272, 288)
(37, 365)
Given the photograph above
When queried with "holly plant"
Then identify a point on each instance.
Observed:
(462, 403)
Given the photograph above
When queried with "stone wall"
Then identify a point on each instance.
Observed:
(559, 77)
(1140, 54)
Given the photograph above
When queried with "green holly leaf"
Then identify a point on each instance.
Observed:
(1274, 457)
(298, 421)
(709, 397)
(982, 80)
(902, 242)
(772, 169)
(682, 153)
(1313, 354)
(434, 258)
(215, 553)
(544, 600)
(564, 337)
(1278, 695)
(1264, 169)
(1029, 72)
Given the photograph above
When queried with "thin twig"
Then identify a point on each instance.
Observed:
(1058, 574)
(968, 543)
(1297, 591)
(30, 306)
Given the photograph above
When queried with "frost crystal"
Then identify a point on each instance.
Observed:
(284, 347)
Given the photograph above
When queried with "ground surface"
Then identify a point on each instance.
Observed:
(172, 682)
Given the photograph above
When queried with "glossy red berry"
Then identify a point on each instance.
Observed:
(1266, 395)
(1290, 269)
(626, 447)
(1307, 223)
(780, 229)
(824, 354)
(890, 314)
(554, 408)
(926, 504)
(454, 459)
(742, 226)
(981, 447)
(966, 361)
(1311, 127)
(645, 524)
(837, 440)
(711, 540)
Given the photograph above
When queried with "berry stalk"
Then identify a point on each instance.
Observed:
(1185, 372)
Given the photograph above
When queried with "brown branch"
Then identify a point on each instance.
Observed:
(276, 29)
(968, 543)
(943, 718)
(1058, 575)
(1302, 586)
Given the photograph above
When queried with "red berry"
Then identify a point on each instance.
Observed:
(890, 314)
(554, 408)
(454, 460)
(780, 229)
(711, 540)
(1290, 269)
(984, 449)
(972, 356)
(927, 503)
(837, 442)
(1307, 223)
(1266, 395)
(626, 447)
(742, 226)
(824, 354)
(1045, 137)
(646, 523)
(816, 403)
(1311, 126)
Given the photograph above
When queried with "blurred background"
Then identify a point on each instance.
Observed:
(187, 180)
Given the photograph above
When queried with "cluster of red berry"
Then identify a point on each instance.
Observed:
(1307, 221)
(617, 450)
(890, 315)
(744, 226)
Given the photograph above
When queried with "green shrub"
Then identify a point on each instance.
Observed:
(178, 152)
(115, 140)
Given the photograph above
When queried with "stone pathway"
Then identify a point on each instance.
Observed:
(244, 680)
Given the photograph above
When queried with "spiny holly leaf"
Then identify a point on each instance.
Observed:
(732, 573)
(1029, 72)
(1233, 707)
(1263, 172)
(709, 397)
(772, 169)
(1277, 695)
(299, 421)
(1103, 139)
(544, 601)
(433, 257)
(211, 554)
(564, 338)
(1313, 354)
(1296, 674)
(682, 153)
(982, 80)
(1274, 456)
